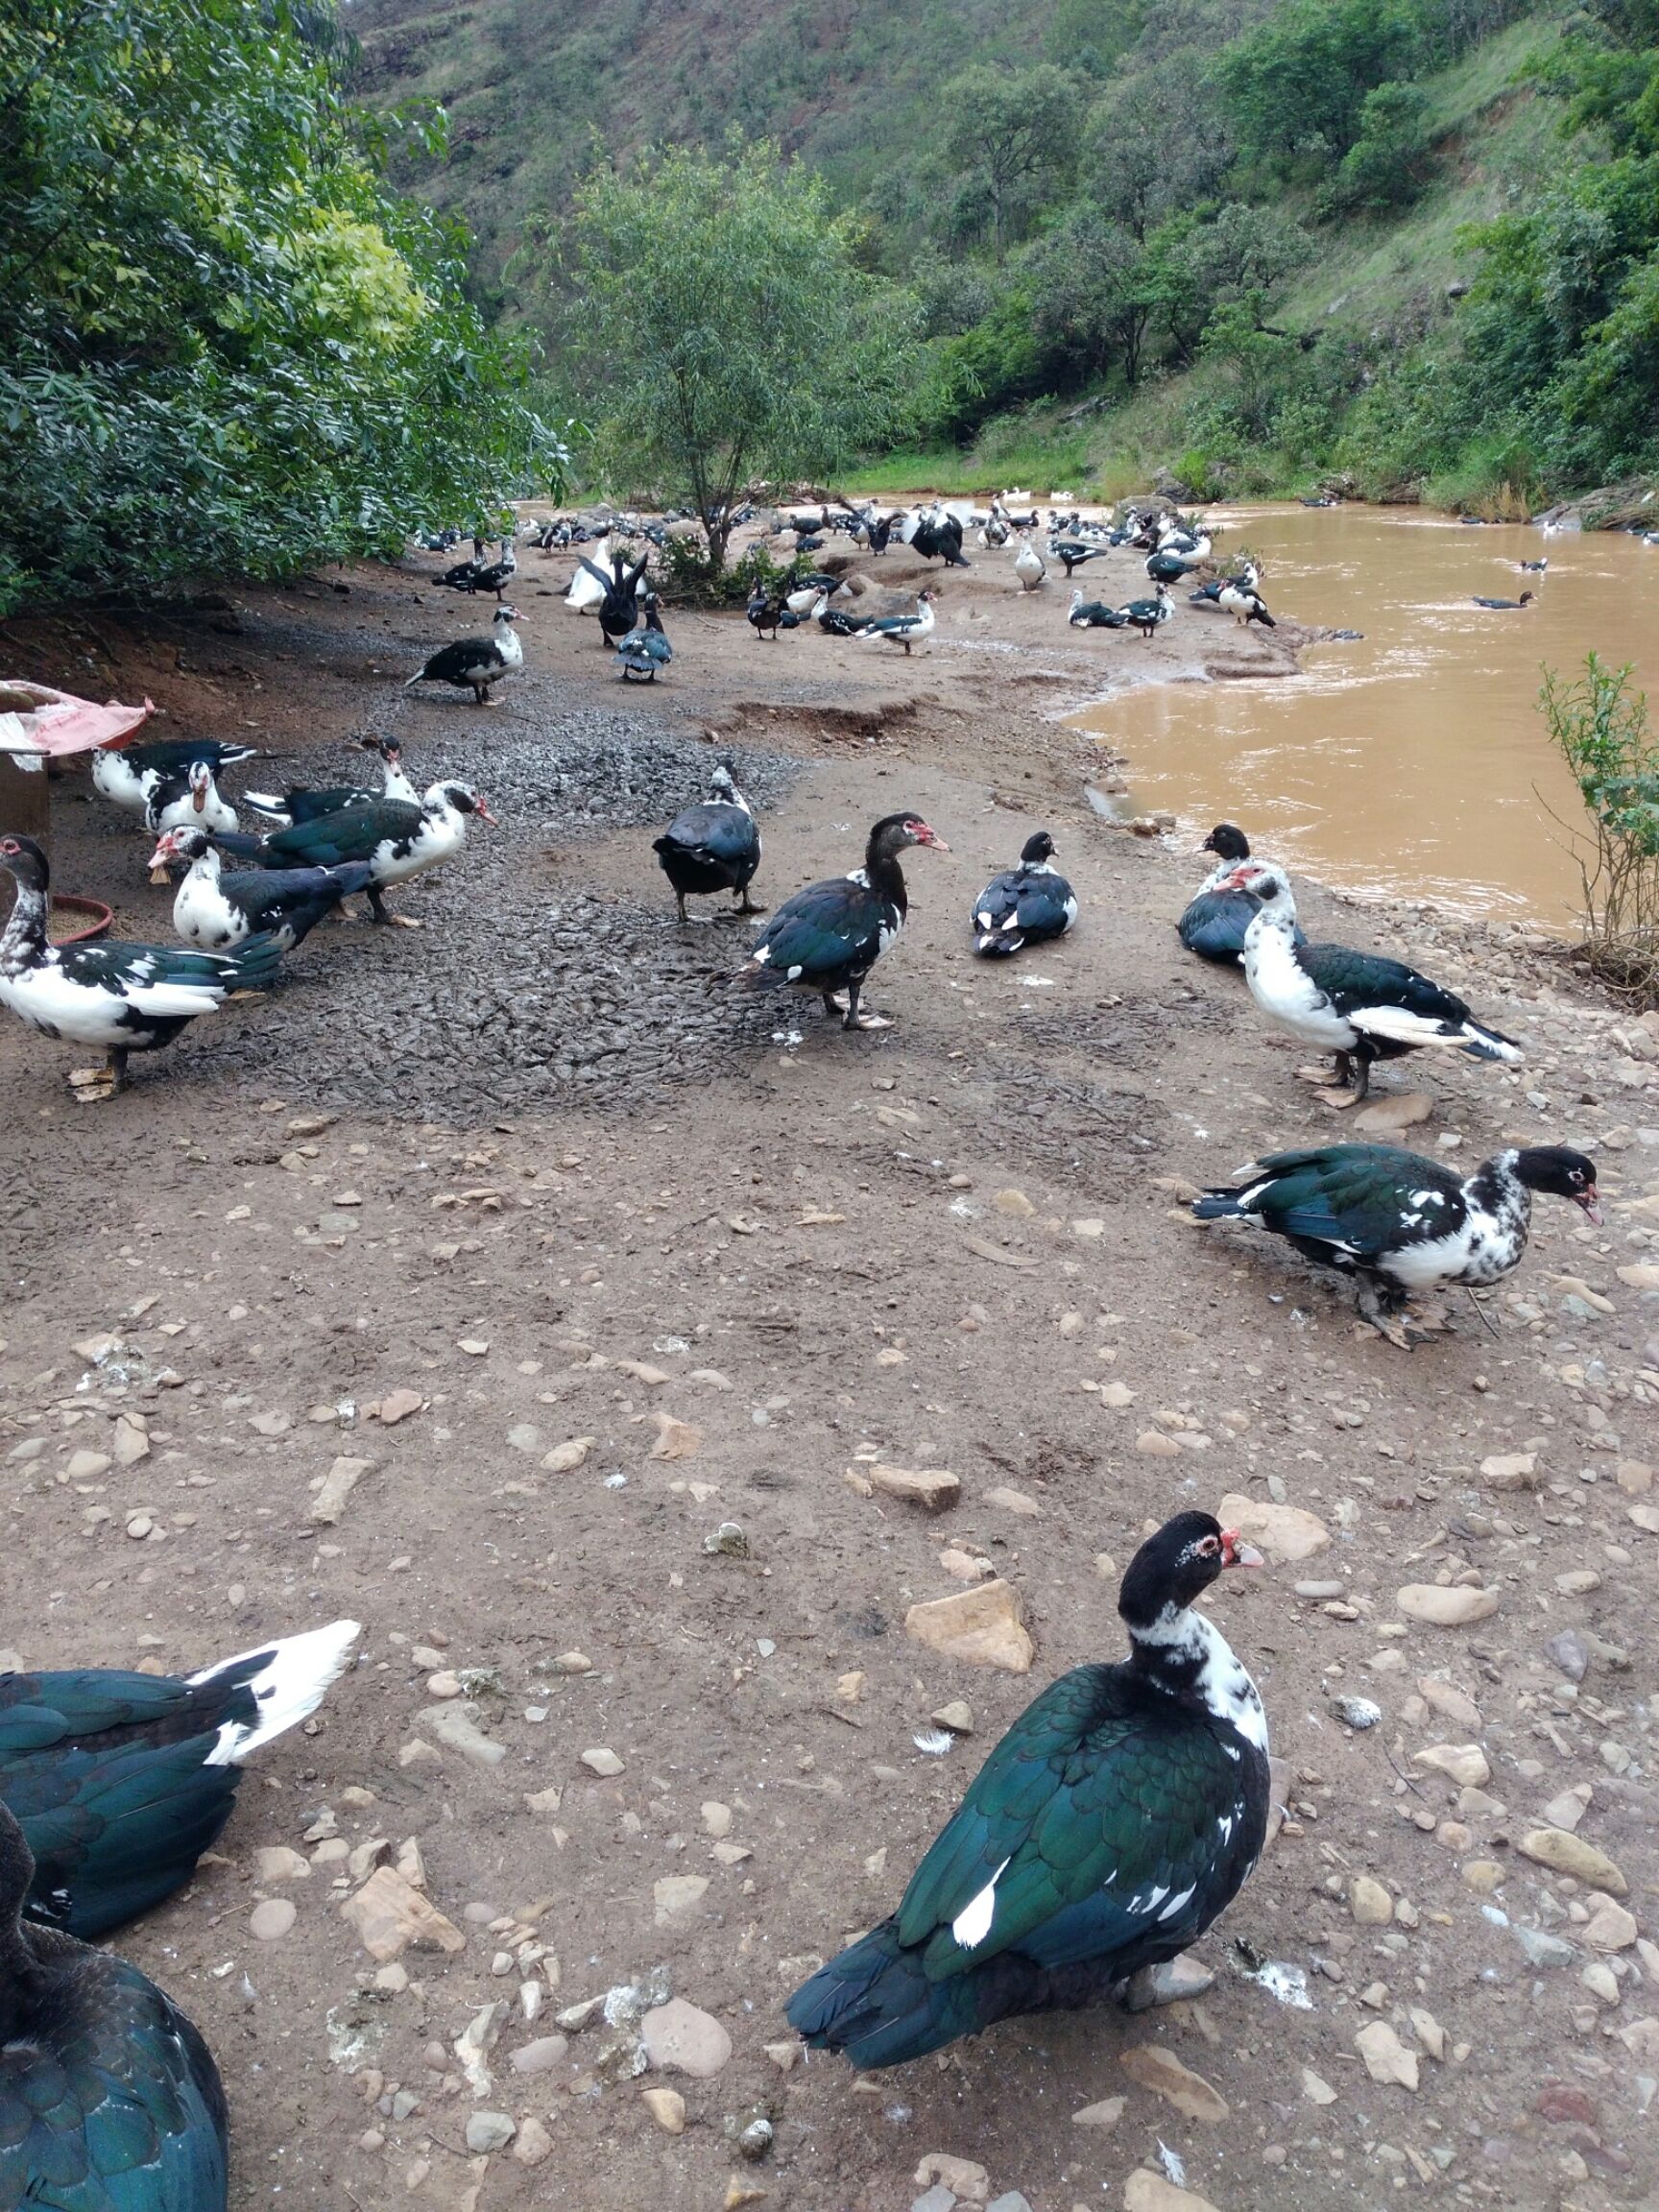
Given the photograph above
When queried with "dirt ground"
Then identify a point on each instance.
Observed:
(540, 1173)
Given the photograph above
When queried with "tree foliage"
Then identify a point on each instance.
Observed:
(727, 329)
(1010, 128)
(227, 346)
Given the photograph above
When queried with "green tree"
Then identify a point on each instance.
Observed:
(1387, 163)
(1013, 126)
(729, 330)
(1294, 85)
(227, 346)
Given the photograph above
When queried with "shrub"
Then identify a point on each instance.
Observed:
(1599, 725)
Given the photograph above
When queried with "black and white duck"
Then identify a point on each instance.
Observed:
(217, 911)
(1217, 917)
(838, 622)
(1024, 906)
(1246, 579)
(904, 630)
(828, 937)
(122, 1780)
(1402, 1224)
(1114, 1821)
(473, 664)
(1361, 1006)
(108, 2097)
(1534, 567)
(1506, 605)
(647, 652)
(1074, 552)
(308, 802)
(715, 845)
(1094, 615)
(765, 610)
(193, 797)
(1245, 604)
(115, 997)
(396, 840)
(496, 575)
(128, 777)
(1149, 615)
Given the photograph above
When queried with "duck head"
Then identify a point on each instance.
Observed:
(390, 748)
(24, 861)
(200, 784)
(462, 798)
(1227, 841)
(1563, 1172)
(506, 615)
(895, 834)
(1037, 851)
(1270, 884)
(177, 848)
(1178, 1565)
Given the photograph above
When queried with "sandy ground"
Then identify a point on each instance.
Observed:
(542, 1173)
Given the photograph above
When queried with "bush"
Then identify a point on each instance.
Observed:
(1599, 725)
(1387, 164)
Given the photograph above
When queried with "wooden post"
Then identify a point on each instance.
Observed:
(26, 803)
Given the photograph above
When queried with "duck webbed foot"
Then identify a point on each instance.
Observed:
(1384, 1308)
(91, 1086)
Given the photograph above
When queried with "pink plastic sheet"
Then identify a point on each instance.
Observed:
(38, 723)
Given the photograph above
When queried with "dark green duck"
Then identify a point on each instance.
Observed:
(109, 2099)
(1122, 1812)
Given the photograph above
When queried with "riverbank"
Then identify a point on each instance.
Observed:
(644, 1257)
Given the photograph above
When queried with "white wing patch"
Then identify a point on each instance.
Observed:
(972, 1924)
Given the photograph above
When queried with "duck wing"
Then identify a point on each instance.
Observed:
(725, 834)
(353, 833)
(830, 929)
(1383, 996)
(1352, 1198)
(169, 979)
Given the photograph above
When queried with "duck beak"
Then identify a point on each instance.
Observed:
(1591, 1202)
(927, 836)
(158, 860)
(482, 810)
(1236, 1552)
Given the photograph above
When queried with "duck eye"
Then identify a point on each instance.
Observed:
(1208, 1545)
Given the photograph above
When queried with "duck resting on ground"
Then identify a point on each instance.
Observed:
(904, 630)
(1115, 1820)
(177, 800)
(1361, 1006)
(127, 777)
(473, 664)
(108, 2097)
(397, 839)
(1401, 1223)
(712, 847)
(1094, 615)
(1220, 912)
(217, 911)
(828, 937)
(1024, 906)
(122, 1780)
(305, 803)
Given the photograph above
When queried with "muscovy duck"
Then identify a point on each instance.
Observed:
(1094, 615)
(1165, 568)
(473, 664)
(828, 937)
(122, 1780)
(108, 2097)
(496, 575)
(765, 610)
(305, 803)
(116, 996)
(1120, 1816)
(904, 630)
(1361, 1006)
(464, 575)
(936, 535)
(836, 622)
(128, 777)
(397, 839)
(1507, 606)
(1245, 603)
(1402, 1223)
(1024, 906)
(712, 847)
(177, 800)
(1146, 614)
(1218, 914)
(217, 911)
(1072, 553)
(1247, 578)
(1534, 567)
(648, 650)
(1029, 565)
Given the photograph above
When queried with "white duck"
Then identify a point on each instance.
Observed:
(1029, 565)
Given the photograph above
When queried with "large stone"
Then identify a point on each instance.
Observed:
(272, 1919)
(1387, 2058)
(1105, 2115)
(1445, 1605)
(1369, 1902)
(390, 1915)
(1448, 1701)
(1610, 1927)
(968, 2182)
(533, 2143)
(337, 1485)
(1147, 2192)
(1159, 2069)
(980, 1626)
(1464, 1764)
(1510, 1471)
(454, 1725)
(1567, 1854)
(488, 2132)
(932, 1488)
(1287, 1533)
(681, 2039)
(676, 1898)
(667, 2107)
(539, 2057)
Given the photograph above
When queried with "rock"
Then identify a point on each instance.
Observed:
(1448, 1605)
(1464, 1764)
(1014, 1203)
(1369, 1902)
(667, 2107)
(1448, 1701)
(272, 1918)
(524, 1436)
(1567, 1854)
(785, 2057)
(603, 1763)
(1428, 2031)
(681, 2039)
(1284, 1532)
(1542, 1949)
(1602, 1983)
(565, 1459)
(130, 1444)
(1173, 1983)
(1387, 2058)
(1315, 2088)
(454, 1725)
(539, 2057)
(533, 2143)
(1117, 1395)
(276, 1862)
(932, 1488)
(1359, 1713)
(1155, 1445)
(1400, 1110)
(337, 1485)
(1609, 1927)
(1578, 1582)
(1159, 2069)
(1569, 1653)
(726, 1542)
(488, 2132)
(1510, 1471)
(390, 1914)
(980, 1626)
(675, 1439)
(716, 1817)
(1567, 1809)
(1147, 2192)
(1010, 2200)
(957, 1716)
(968, 2182)
(1014, 1501)
(85, 1466)
(675, 1897)
(1105, 2115)
(938, 2198)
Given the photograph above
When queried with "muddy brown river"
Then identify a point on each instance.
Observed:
(1413, 763)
